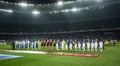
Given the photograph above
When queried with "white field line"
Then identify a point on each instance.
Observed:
(34, 52)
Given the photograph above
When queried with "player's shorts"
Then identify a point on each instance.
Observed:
(41, 44)
(54, 45)
(50, 44)
(73, 44)
(44, 45)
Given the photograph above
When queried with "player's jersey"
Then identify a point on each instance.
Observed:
(92, 43)
(47, 41)
(84, 42)
(23, 42)
(79, 44)
(88, 43)
(44, 42)
(50, 41)
(39, 42)
(58, 42)
(73, 43)
(16, 44)
(63, 42)
(68, 42)
(54, 42)
(96, 41)
(102, 44)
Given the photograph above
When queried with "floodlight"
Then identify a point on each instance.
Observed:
(74, 9)
(30, 4)
(10, 11)
(35, 12)
(50, 12)
(98, 0)
(55, 11)
(7, 2)
(23, 4)
(6, 10)
(62, 10)
(16, 3)
(60, 3)
(2, 1)
(86, 7)
(66, 10)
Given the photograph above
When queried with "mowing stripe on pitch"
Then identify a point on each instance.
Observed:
(7, 56)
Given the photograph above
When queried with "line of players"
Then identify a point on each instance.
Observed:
(49, 44)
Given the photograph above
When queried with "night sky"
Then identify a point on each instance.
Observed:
(37, 1)
(33, 1)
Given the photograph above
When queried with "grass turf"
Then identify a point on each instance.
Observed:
(108, 58)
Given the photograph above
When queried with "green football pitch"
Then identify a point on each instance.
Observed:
(111, 57)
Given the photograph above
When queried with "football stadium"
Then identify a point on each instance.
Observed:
(60, 32)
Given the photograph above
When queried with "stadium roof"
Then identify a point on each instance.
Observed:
(72, 16)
